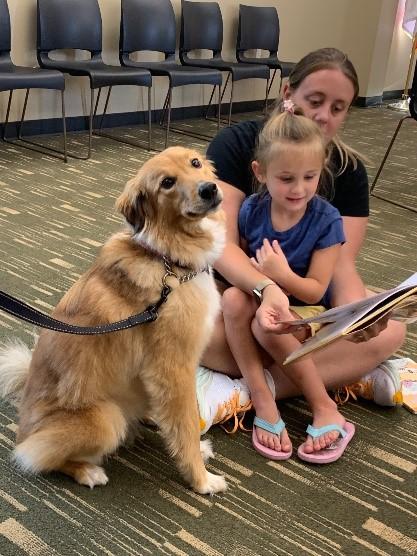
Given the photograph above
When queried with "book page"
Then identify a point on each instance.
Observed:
(356, 308)
(385, 306)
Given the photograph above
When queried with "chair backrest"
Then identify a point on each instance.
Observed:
(201, 27)
(258, 28)
(147, 25)
(4, 28)
(72, 24)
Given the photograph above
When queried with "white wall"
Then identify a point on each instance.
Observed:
(363, 29)
(399, 56)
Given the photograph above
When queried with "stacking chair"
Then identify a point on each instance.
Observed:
(259, 29)
(149, 25)
(413, 115)
(202, 29)
(14, 77)
(76, 25)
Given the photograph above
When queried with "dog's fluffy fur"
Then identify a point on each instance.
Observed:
(80, 395)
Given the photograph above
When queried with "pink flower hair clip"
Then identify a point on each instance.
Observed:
(289, 106)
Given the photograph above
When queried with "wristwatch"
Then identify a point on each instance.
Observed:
(259, 288)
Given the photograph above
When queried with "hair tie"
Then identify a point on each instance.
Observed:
(289, 106)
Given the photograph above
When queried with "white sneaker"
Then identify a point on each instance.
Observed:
(382, 385)
(221, 398)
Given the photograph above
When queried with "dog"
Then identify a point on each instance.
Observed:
(80, 396)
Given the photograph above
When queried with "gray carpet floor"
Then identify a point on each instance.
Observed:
(53, 219)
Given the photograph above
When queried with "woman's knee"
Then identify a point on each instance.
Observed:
(389, 340)
(395, 335)
(237, 305)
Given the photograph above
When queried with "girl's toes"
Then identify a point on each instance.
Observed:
(317, 444)
(309, 445)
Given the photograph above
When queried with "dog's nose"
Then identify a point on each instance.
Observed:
(207, 191)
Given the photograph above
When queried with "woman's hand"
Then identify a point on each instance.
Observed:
(274, 308)
(271, 261)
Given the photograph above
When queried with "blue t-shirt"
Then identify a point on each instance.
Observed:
(320, 227)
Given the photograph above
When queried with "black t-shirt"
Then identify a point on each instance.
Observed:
(232, 152)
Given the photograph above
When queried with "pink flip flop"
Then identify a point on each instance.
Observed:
(332, 452)
(275, 428)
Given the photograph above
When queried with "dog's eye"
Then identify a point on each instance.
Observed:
(196, 163)
(167, 183)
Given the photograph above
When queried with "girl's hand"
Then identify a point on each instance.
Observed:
(271, 261)
(274, 307)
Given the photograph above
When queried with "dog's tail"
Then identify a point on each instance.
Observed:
(15, 357)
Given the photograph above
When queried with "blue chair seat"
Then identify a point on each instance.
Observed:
(101, 74)
(273, 63)
(180, 75)
(238, 70)
(18, 77)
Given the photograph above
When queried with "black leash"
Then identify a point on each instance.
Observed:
(25, 312)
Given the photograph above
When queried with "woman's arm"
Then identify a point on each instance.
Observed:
(347, 285)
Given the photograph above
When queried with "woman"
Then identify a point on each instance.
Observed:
(323, 84)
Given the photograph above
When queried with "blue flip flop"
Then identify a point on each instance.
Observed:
(274, 428)
(332, 452)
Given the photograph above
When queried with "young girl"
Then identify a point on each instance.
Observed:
(294, 237)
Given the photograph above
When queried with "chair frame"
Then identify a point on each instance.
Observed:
(169, 53)
(43, 58)
(35, 146)
(217, 54)
(272, 61)
(22, 141)
(412, 115)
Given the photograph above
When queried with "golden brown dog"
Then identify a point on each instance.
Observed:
(81, 394)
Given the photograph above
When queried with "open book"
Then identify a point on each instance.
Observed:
(400, 303)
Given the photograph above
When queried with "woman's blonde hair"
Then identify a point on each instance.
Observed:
(322, 59)
(286, 129)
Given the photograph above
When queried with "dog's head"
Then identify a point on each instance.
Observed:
(169, 197)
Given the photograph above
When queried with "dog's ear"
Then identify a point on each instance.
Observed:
(132, 207)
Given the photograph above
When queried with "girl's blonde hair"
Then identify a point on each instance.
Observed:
(322, 59)
(285, 130)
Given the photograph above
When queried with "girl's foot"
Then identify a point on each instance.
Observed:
(266, 409)
(322, 417)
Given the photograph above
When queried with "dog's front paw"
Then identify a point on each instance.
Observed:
(91, 475)
(213, 484)
(206, 450)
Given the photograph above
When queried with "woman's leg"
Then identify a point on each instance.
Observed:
(338, 364)
(238, 311)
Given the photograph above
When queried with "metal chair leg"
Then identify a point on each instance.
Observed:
(266, 97)
(209, 102)
(381, 197)
(272, 80)
(169, 97)
(6, 121)
(98, 131)
(229, 121)
(149, 118)
(280, 85)
(164, 108)
(400, 123)
(36, 147)
(219, 109)
(169, 128)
